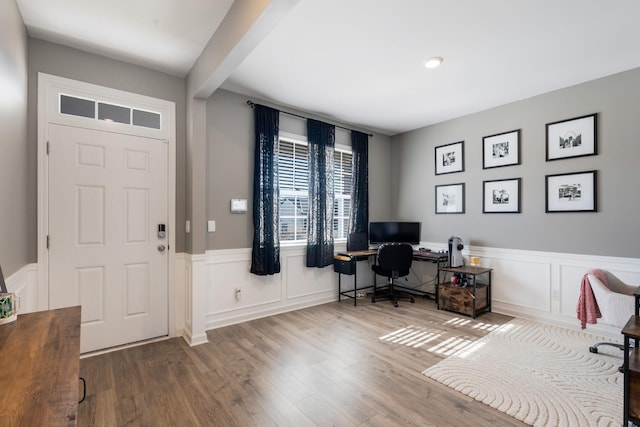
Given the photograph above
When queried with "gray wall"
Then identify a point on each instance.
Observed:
(230, 144)
(612, 231)
(75, 64)
(15, 226)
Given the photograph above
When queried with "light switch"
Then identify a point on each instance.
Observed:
(211, 226)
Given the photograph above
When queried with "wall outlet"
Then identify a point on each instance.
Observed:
(555, 294)
(211, 226)
(238, 292)
(187, 226)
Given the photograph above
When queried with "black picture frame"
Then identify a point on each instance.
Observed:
(576, 137)
(449, 158)
(450, 198)
(571, 192)
(501, 149)
(501, 195)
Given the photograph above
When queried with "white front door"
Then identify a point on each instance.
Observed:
(107, 198)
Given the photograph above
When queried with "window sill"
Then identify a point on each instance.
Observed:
(289, 244)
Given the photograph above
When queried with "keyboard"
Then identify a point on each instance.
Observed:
(430, 254)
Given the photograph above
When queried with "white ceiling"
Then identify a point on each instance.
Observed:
(360, 61)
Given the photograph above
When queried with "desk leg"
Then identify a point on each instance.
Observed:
(355, 285)
(475, 301)
(438, 289)
(339, 286)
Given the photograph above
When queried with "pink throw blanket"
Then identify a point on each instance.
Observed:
(587, 308)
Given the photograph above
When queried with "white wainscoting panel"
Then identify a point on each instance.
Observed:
(305, 282)
(228, 271)
(534, 285)
(295, 287)
(544, 286)
(522, 283)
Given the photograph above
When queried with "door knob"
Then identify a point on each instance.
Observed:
(161, 248)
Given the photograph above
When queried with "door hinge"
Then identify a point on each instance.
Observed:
(48, 242)
(48, 147)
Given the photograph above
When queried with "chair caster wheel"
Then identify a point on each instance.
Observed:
(395, 303)
(593, 349)
(373, 300)
(412, 300)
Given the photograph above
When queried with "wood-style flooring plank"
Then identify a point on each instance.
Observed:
(333, 364)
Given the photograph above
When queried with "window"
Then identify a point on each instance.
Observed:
(294, 190)
(342, 181)
(108, 112)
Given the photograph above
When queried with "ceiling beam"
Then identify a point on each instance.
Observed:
(246, 24)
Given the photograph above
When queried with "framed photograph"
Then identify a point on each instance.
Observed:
(450, 158)
(502, 149)
(501, 196)
(571, 192)
(572, 138)
(450, 199)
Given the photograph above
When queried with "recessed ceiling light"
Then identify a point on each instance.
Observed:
(433, 62)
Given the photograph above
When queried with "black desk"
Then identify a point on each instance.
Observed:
(345, 263)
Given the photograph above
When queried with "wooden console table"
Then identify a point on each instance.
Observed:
(39, 369)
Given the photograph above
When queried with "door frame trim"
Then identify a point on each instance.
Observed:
(49, 88)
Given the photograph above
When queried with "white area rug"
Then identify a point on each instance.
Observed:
(540, 374)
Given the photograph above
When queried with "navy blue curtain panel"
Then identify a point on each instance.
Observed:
(321, 139)
(359, 217)
(265, 257)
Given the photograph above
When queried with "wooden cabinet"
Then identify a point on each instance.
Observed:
(466, 296)
(631, 367)
(39, 366)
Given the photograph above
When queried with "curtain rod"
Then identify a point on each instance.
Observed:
(252, 104)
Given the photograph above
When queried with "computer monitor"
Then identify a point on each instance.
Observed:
(394, 231)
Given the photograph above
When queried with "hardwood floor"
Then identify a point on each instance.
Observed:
(329, 365)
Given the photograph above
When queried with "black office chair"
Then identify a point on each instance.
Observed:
(394, 261)
(357, 242)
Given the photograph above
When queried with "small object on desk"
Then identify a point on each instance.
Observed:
(434, 256)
